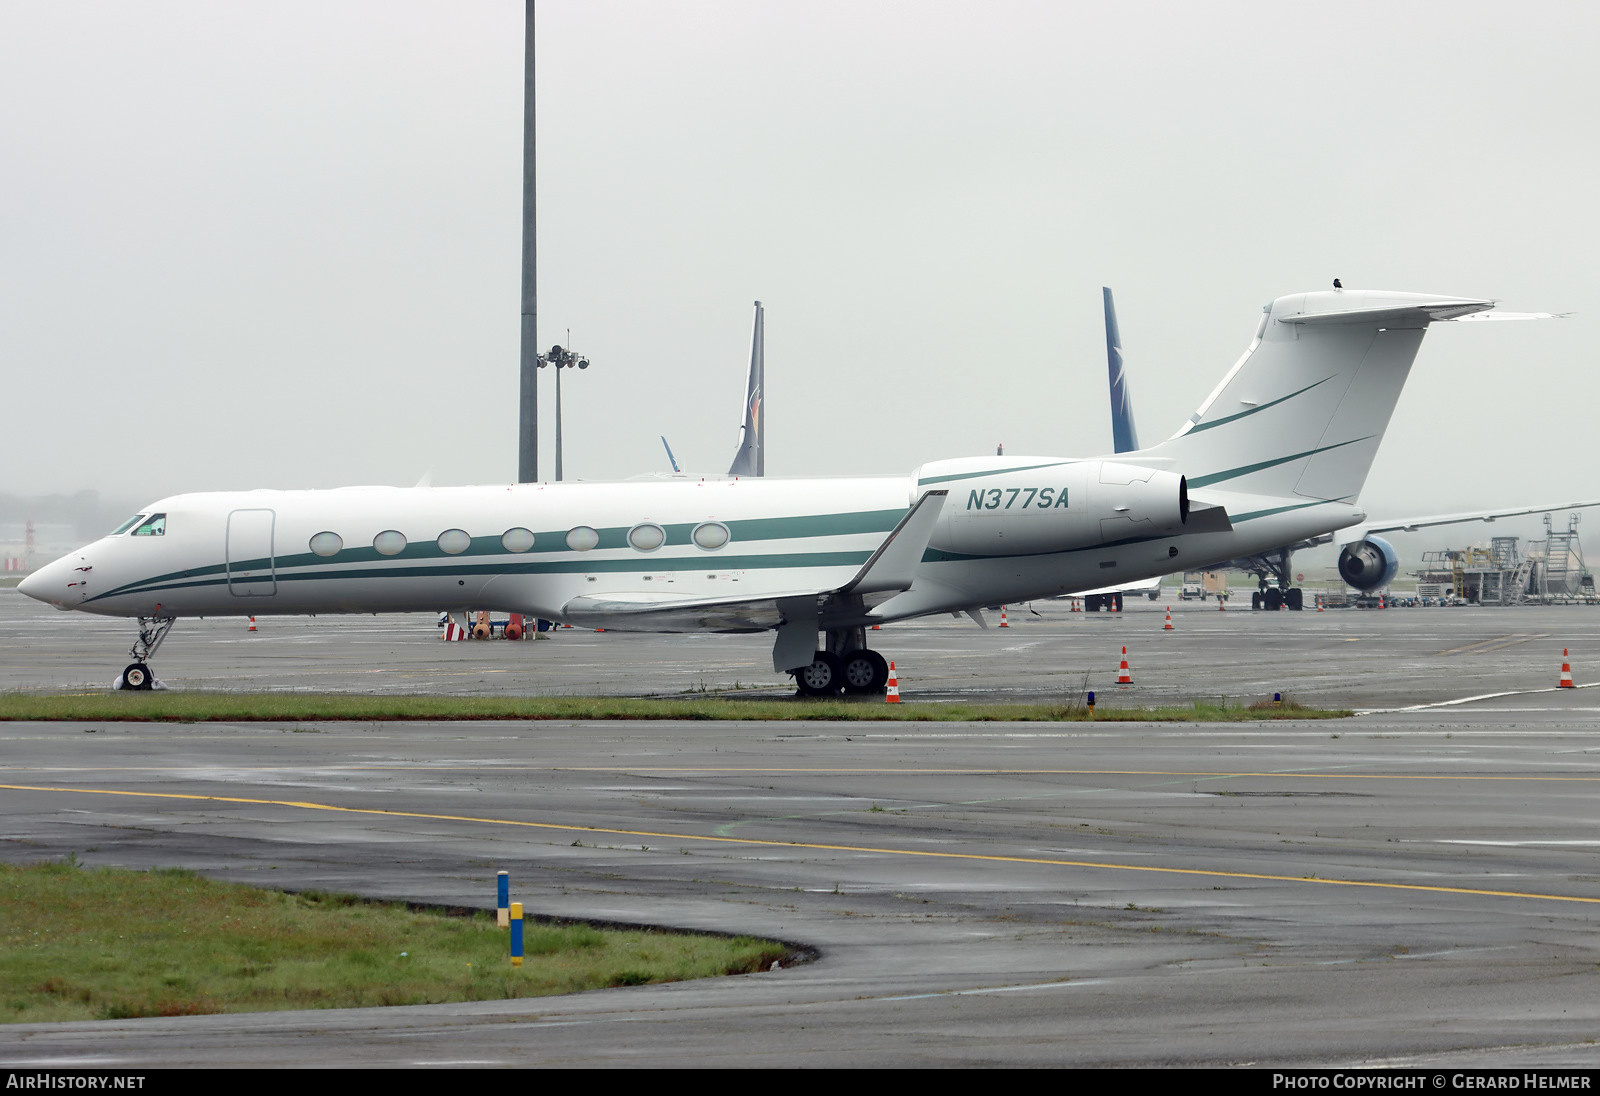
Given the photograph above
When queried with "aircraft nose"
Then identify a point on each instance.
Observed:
(49, 584)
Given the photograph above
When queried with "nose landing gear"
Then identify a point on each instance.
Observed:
(152, 630)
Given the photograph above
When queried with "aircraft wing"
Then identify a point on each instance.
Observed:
(649, 612)
(1411, 525)
(888, 570)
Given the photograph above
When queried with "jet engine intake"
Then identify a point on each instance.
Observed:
(1368, 564)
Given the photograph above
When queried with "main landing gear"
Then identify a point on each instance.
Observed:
(1273, 599)
(1273, 567)
(845, 666)
(152, 630)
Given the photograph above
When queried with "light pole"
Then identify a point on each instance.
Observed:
(561, 358)
(528, 395)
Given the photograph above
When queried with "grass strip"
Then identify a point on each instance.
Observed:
(105, 944)
(201, 707)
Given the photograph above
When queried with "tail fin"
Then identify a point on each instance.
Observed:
(1302, 412)
(751, 460)
(1124, 438)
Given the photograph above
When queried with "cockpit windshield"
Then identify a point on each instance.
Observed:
(153, 526)
(129, 524)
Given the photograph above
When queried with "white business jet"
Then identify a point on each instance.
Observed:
(1276, 454)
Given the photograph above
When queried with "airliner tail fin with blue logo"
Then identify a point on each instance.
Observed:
(751, 458)
(1124, 438)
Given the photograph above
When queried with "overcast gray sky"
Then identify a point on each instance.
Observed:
(277, 244)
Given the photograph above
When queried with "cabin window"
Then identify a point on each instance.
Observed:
(390, 542)
(129, 524)
(647, 537)
(710, 535)
(327, 544)
(517, 540)
(153, 526)
(582, 538)
(452, 542)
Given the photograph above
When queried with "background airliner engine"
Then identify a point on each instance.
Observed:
(1369, 563)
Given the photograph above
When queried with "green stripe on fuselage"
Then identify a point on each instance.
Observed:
(743, 530)
(1253, 514)
(992, 472)
(1245, 470)
(1254, 410)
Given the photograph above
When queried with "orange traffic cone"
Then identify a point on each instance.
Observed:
(252, 624)
(877, 627)
(1167, 627)
(1124, 676)
(892, 696)
(1003, 623)
(1566, 672)
(1222, 604)
(1319, 603)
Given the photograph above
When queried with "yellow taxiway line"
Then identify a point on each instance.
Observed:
(756, 842)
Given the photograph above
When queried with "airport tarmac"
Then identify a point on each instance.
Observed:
(1341, 658)
(1413, 888)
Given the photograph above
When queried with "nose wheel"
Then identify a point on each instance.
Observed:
(137, 677)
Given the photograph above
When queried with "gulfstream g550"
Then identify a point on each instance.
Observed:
(1276, 454)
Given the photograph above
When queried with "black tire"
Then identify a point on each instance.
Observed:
(1296, 599)
(823, 677)
(864, 671)
(1255, 599)
(138, 677)
(1272, 600)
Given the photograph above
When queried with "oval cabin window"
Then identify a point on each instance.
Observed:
(326, 544)
(710, 535)
(647, 537)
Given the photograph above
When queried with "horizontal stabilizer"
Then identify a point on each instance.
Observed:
(1408, 315)
(1499, 315)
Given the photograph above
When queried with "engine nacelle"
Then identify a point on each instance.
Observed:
(1005, 506)
(1368, 564)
